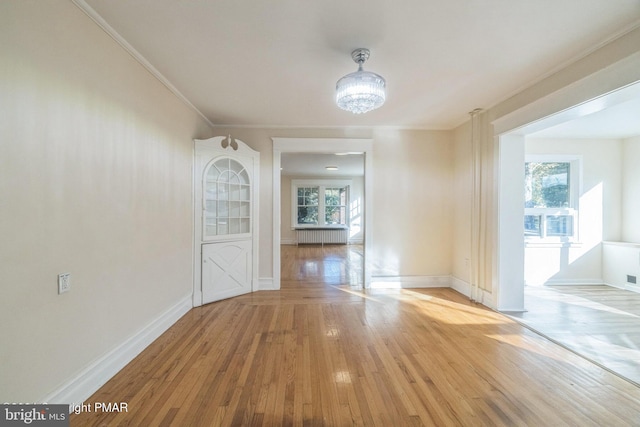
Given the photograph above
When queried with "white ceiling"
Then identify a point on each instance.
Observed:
(275, 62)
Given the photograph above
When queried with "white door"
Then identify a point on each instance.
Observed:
(226, 206)
(226, 269)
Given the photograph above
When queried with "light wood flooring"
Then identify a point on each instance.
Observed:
(600, 323)
(321, 352)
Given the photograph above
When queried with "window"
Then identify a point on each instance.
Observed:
(551, 188)
(335, 206)
(319, 203)
(308, 205)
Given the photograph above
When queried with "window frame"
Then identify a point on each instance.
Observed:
(321, 184)
(575, 185)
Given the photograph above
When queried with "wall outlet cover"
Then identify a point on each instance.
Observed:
(64, 282)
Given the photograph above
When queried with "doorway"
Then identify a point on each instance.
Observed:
(511, 154)
(574, 289)
(318, 146)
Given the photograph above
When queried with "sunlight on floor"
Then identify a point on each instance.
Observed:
(580, 301)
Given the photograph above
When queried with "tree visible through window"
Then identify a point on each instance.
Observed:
(549, 210)
(335, 206)
(321, 203)
(547, 185)
(308, 205)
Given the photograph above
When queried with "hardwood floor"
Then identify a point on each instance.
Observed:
(322, 352)
(597, 322)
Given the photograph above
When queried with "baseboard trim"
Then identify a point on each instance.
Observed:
(573, 282)
(626, 286)
(266, 284)
(402, 282)
(80, 388)
(460, 286)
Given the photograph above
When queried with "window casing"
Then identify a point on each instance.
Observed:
(551, 198)
(319, 203)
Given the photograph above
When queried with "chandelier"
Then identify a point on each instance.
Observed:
(360, 91)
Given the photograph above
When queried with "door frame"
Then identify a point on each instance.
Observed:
(509, 133)
(241, 152)
(323, 145)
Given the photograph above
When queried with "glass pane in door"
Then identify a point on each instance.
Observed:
(226, 199)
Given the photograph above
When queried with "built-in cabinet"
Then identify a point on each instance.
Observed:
(226, 173)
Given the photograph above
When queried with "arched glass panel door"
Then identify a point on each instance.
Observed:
(227, 199)
(226, 178)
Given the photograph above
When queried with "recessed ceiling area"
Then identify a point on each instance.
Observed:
(275, 63)
(611, 116)
(615, 122)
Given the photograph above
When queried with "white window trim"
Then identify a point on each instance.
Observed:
(321, 184)
(575, 186)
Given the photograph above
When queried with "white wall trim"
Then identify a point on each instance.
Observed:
(266, 284)
(76, 390)
(627, 287)
(461, 286)
(402, 282)
(509, 220)
(95, 16)
(574, 282)
(464, 288)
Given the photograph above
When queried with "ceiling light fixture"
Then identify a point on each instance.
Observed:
(360, 91)
(331, 168)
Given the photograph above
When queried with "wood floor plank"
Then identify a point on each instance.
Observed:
(598, 322)
(321, 352)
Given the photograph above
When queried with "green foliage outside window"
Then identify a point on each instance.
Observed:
(547, 185)
(308, 205)
(335, 205)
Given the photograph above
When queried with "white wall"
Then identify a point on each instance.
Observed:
(631, 190)
(412, 197)
(356, 194)
(609, 67)
(95, 180)
(620, 260)
(413, 203)
(599, 213)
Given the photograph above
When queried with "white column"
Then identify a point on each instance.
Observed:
(510, 238)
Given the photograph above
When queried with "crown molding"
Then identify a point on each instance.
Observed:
(91, 13)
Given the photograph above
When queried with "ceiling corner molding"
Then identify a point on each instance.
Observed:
(91, 13)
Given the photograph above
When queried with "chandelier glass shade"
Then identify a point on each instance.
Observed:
(360, 91)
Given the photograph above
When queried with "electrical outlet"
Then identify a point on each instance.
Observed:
(64, 283)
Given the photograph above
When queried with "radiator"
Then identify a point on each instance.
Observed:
(322, 236)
